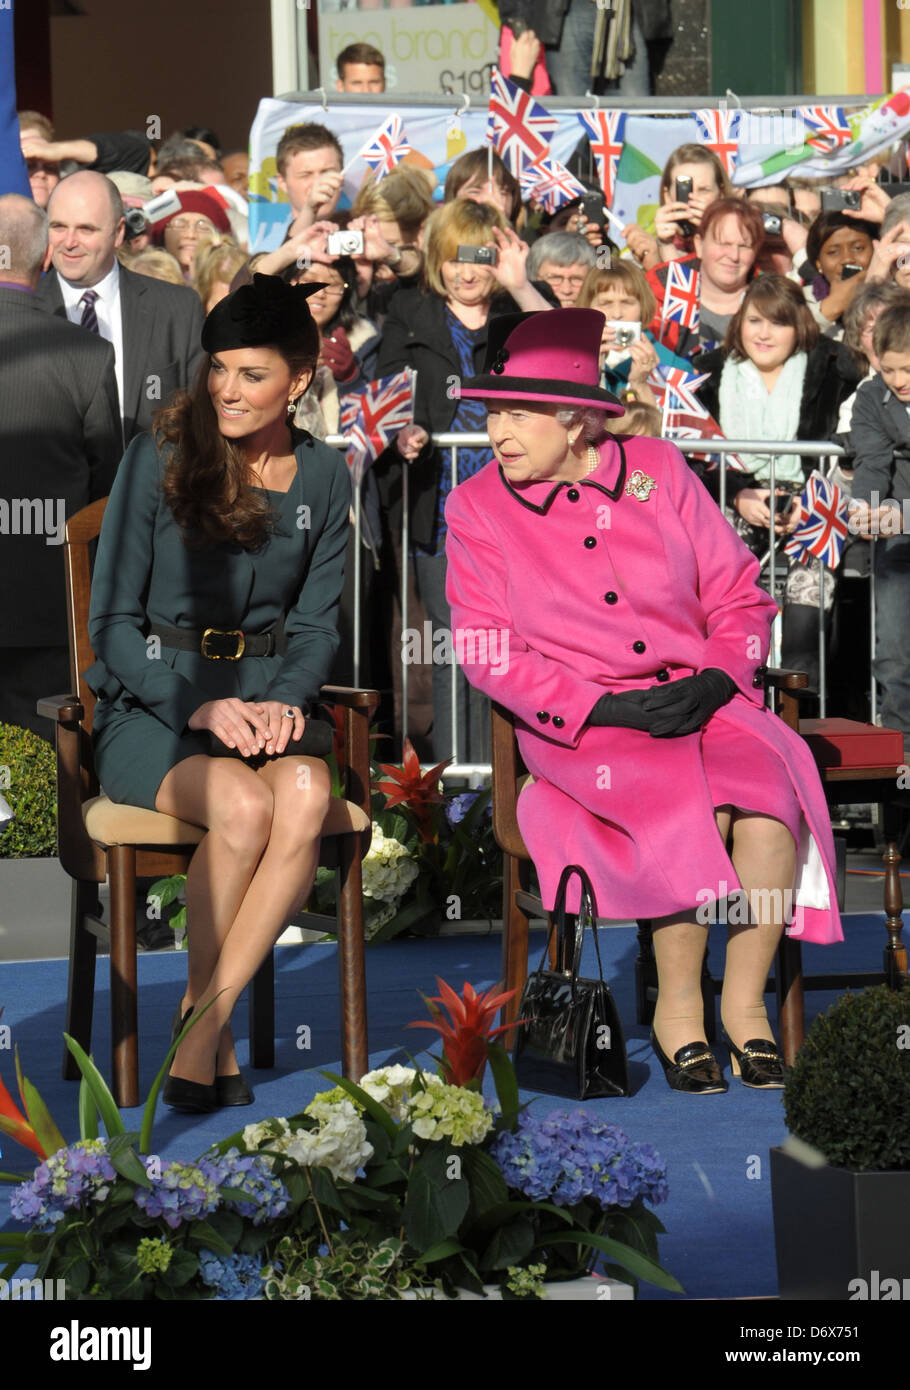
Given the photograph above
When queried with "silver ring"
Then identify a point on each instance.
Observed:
(289, 714)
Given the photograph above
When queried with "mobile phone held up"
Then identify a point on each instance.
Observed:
(683, 194)
(478, 255)
(782, 503)
(836, 199)
(848, 271)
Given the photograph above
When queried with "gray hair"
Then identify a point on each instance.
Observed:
(898, 211)
(881, 294)
(560, 248)
(23, 233)
(593, 421)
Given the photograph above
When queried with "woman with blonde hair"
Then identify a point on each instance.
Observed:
(215, 264)
(475, 268)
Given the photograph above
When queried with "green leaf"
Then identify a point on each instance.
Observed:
(125, 1159)
(88, 1113)
(436, 1204)
(624, 1255)
(371, 1106)
(40, 1119)
(107, 1106)
(496, 1216)
(488, 1186)
(203, 1233)
(510, 1245)
(504, 1081)
(440, 1251)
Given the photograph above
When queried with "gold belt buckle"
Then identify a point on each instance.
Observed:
(223, 632)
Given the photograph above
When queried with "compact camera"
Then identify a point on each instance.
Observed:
(345, 243)
(624, 332)
(836, 199)
(136, 222)
(478, 255)
(772, 223)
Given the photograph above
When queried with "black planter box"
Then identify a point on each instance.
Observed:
(834, 1225)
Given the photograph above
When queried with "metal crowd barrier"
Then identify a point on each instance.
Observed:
(716, 449)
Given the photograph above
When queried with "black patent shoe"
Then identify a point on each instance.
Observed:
(178, 1023)
(233, 1090)
(694, 1068)
(191, 1096)
(758, 1063)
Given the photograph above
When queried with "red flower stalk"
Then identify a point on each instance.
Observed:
(467, 1031)
(415, 790)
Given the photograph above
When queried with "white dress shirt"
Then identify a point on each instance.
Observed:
(107, 310)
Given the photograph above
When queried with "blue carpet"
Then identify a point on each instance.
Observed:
(719, 1241)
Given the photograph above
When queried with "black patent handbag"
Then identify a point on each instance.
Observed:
(570, 1042)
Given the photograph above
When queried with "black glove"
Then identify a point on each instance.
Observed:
(624, 710)
(683, 706)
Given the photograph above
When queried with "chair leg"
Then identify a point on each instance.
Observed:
(355, 1056)
(124, 1011)
(262, 1014)
(895, 955)
(790, 1004)
(516, 876)
(80, 994)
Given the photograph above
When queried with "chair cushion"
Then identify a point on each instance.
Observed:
(848, 743)
(111, 823)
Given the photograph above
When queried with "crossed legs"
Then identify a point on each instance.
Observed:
(764, 857)
(248, 876)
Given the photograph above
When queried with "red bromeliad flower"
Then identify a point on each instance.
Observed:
(411, 788)
(467, 1031)
(337, 712)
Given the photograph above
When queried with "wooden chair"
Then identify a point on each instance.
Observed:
(99, 839)
(789, 984)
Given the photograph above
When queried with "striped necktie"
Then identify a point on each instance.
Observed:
(89, 318)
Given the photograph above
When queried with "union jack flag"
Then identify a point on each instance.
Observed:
(550, 184)
(605, 133)
(822, 527)
(386, 148)
(684, 416)
(518, 127)
(681, 296)
(829, 124)
(371, 418)
(719, 130)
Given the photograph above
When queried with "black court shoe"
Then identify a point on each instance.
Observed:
(758, 1063)
(191, 1096)
(233, 1090)
(694, 1068)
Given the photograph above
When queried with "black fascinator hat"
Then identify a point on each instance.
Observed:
(266, 313)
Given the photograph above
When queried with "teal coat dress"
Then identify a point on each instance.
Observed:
(145, 576)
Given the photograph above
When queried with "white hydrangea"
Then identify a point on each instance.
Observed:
(390, 1086)
(256, 1134)
(339, 1144)
(388, 869)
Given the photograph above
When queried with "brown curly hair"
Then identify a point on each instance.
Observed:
(205, 481)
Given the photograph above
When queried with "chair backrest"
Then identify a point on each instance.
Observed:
(81, 530)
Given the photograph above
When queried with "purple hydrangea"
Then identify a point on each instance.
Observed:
(567, 1156)
(77, 1174)
(232, 1277)
(457, 807)
(183, 1192)
(251, 1175)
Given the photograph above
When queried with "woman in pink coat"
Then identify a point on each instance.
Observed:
(598, 593)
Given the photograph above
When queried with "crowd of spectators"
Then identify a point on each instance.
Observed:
(803, 333)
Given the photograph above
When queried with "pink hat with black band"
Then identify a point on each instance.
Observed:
(551, 356)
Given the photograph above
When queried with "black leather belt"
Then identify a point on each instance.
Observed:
(222, 644)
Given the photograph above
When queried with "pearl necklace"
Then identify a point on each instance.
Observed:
(593, 458)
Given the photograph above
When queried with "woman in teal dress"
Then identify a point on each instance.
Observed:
(214, 620)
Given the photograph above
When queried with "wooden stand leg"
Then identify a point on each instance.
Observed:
(80, 995)
(645, 973)
(352, 962)
(895, 955)
(516, 874)
(262, 1014)
(790, 1004)
(124, 1013)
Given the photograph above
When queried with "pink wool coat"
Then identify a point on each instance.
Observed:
(560, 592)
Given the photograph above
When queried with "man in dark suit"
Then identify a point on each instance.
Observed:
(155, 328)
(60, 443)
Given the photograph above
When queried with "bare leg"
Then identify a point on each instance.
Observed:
(679, 949)
(300, 790)
(764, 856)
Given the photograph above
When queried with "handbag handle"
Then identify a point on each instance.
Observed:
(559, 922)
